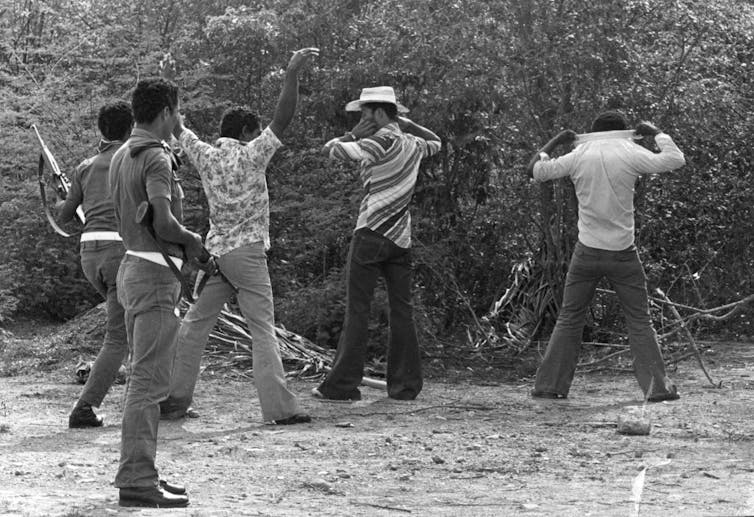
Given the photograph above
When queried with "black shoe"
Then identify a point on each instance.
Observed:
(354, 396)
(404, 395)
(301, 418)
(151, 497)
(169, 487)
(547, 395)
(668, 395)
(83, 416)
(178, 414)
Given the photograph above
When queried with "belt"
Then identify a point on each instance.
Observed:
(100, 236)
(156, 257)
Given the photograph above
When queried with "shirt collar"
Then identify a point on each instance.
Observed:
(105, 144)
(390, 129)
(225, 140)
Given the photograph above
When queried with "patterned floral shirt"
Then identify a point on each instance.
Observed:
(233, 177)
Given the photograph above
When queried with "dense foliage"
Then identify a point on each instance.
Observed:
(494, 79)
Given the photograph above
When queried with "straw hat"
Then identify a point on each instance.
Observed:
(384, 94)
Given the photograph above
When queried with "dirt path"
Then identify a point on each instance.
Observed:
(463, 448)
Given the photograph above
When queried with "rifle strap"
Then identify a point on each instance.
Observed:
(45, 204)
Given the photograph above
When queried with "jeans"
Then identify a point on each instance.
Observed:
(370, 256)
(624, 271)
(245, 269)
(100, 261)
(149, 294)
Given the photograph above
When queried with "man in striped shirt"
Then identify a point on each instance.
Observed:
(388, 150)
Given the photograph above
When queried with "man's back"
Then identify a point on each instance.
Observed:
(604, 173)
(389, 162)
(91, 180)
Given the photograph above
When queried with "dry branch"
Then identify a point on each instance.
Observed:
(690, 337)
(231, 335)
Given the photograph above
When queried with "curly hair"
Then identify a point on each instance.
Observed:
(235, 119)
(115, 120)
(151, 96)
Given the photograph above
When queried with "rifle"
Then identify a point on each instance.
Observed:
(144, 216)
(62, 184)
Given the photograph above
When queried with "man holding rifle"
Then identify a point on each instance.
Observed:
(101, 254)
(143, 170)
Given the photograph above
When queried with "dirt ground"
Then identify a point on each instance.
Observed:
(469, 445)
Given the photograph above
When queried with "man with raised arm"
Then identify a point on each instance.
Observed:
(101, 254)
(233, 174)
(144, 170)
(604, 169)
(387, 149)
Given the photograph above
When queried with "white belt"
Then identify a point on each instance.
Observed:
(100, 236)
(156, 257)
(606, 135)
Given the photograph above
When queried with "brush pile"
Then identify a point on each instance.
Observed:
(231, 340)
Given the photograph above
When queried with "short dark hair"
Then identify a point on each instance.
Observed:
(151, 96)
(391, 110)
(234, 119)
(115, 120)
(609, 121)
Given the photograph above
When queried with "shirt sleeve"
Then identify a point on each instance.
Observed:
(200, 154)
(669, 158)
(549, 169)
(158, 176)
(427, 147)
(346, 151)
(260, 151)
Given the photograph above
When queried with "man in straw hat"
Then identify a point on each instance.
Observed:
(388, 149)
(604, 168)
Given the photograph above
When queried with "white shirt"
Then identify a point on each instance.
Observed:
(604, 173)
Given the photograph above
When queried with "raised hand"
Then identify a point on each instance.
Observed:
(565, 137)
(645, 128)
(300, 58)
(404, 123)
(365, 127)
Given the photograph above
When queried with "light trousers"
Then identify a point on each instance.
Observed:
(100, 261)
(245, 269)
(149, 294)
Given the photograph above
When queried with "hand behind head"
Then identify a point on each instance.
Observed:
(645, 128)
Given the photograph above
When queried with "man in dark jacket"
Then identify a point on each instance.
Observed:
(101, 253)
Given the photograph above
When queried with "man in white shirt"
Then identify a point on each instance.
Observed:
(604, 169)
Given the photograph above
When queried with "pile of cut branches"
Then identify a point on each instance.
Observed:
(230, 339)
(523, 310)
(530, 300)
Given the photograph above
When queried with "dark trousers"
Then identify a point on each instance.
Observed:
(149, 293)
(624, 271)
(100, 261)
(370, 256)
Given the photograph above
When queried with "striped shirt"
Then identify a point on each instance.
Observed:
(389, 165)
